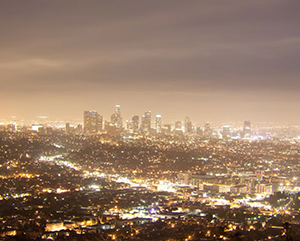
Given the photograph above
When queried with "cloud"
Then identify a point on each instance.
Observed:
(171, 48)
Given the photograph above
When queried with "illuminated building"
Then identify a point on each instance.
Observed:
(110, 128)
(264, 188)
(239, 189)
(129, 126)
(100, 122)
(146, 122)
(166, 129)
(36, 127)
(247, 129)
(178, 125)
(158, 124)
(183, 178)
(55, 226)
(225, 132)
(92, 122)
(11, 128)
(207, 130)
(116, 118)
(188, 125)
(135, 123)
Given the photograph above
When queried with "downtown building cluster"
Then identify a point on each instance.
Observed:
(94, 123)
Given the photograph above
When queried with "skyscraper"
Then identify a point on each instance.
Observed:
(146, 122)
(207, 130)
(118, 110)
(178, 125)
(116, 118)
(92, 122)
(129, 126)
(135, 123)
(100, 123)
(247, 129)
(158, 124)
(188, 125)
(226, 131)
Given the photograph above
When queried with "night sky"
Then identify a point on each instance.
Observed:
(210, 60)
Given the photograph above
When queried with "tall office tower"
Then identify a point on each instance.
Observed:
(100, 123)
(129, 126)
(92, 122)
(116, 118)
(113, 119)
(207, 130)
(146, 122)
(118, 110)
(158, 124)
(188, 125)
(135, 123)
(119, 118)
(226, 131)
(247, 129)
(178, 125)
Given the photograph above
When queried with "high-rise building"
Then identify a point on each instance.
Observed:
(92, 122)
(226, 131)
(158, 124)
(129, 126)
(247, 129)
(146, 122)
(178, 125)
(135, 123)
(207, 130)
(113, 119)
(100, 123)
(118, 110)
(119, 118)
(188, 125)
(116, 118)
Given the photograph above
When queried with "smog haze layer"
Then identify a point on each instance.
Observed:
(210, 60)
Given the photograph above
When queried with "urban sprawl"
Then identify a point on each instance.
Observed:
(146, 180)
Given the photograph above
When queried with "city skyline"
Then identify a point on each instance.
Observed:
(212, 61)
(131, 120)
(149, 120)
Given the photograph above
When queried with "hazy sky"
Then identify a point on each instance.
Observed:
(210, 60)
